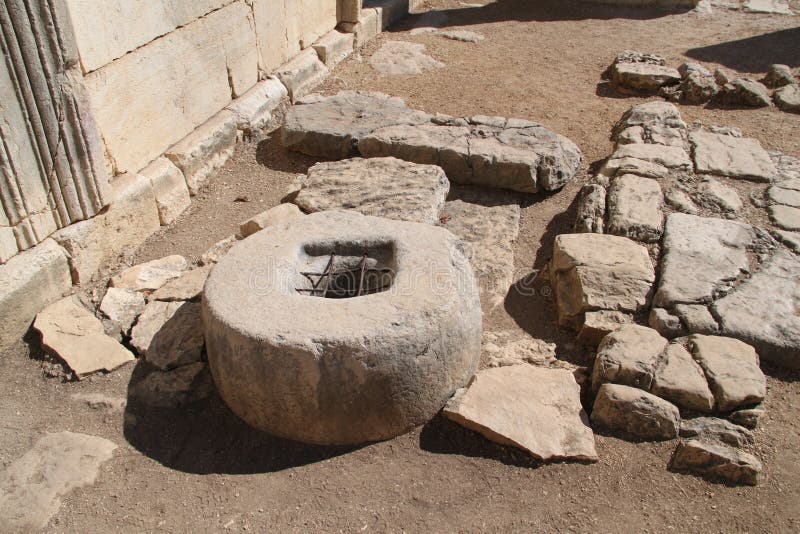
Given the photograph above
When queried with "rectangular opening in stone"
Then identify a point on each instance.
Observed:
(346, 270)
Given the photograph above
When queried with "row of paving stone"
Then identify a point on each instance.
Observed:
(638, 73)
(716, 276)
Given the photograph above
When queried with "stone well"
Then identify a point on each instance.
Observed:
(364, 354)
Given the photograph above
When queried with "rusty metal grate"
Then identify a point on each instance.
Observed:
(347, 283)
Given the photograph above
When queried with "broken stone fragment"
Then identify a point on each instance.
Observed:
(506, 348)
(598, 324)
(151, 275)
(650, 113)
(77, 337)
(628, 356)
(122, 307)
(715, 429)
(679, 379)
(599, 272)
(169, 334)
(779, 76)
(732, 370)
(716, 461)
(175, 388)
(534, 409)
(697, 319)
(591, 209)
(382, 187)
(718, 197)
(188, 286)
(271, 217)
(746, 92)
(31, 488)
(635, 413)
(218, 250)
(672, 157)
(302, 74)
(747, 417)
(697, 88)
(635, 208)
(665, 323)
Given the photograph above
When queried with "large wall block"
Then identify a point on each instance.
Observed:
(285, 27)
(108, 29)
(154, 96)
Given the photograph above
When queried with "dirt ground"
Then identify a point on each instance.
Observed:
(201, 469)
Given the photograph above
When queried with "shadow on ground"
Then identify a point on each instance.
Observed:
(753, 54)
(528, 10)
(205, 437)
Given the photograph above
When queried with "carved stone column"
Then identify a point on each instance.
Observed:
(52, 171)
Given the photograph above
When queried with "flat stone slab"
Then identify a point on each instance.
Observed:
(76, 336)
(762, 311)
(31, 488)
(635, 413)
(785, 217)
(635, 208)
(487, 222)
(701, 257)
(151, 275)
(487, 151)
(671, 157)
(599, 272)
(736, 157)
(189, 286)
(382, 187)
(716, 461)
(397, 58)
(271, 217)
(775, 7)
(122, 307)
(534, 409)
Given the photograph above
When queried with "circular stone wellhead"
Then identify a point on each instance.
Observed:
(338, 328)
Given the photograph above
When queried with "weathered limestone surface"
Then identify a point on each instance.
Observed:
(302, 74)
(150, 322)
(718, 197)
(331, 127)
(599, 272)
(189, 286)
(504, 348)
(487, 223)
(635, 208)
(487, 151)
(635, 413)
(598, 324)
(86, 246)
(179, 341)
(726, 155)
(591, 209)
(383, 187)
(643, 78)
(253, 110)
(122, 307)
(169, 188)
(747, 417)
(29, 282)
(732, 369)
(532, 408)
(715, 429)
(76, 336)
(716, 461)
(672, 157)
(403, 58)
(271, 217)
(197, 68)
(788, 98)
(205, 150)
(763, 311)
(701, 257)
(175, 388)
(786, 217)
(32, 487)
(334, 47)
(52, 171)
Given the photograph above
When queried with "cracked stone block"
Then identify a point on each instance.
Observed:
(732, 369)
(714, 429)
(672, 157)
(628, 356)
(599, 272)
(169, 188)
(635, 208)
(762, 311)
(382, 187)
(680, 380)
(30, 281)
(205, 150)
